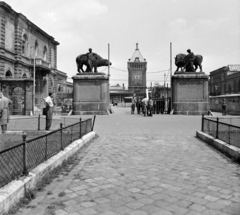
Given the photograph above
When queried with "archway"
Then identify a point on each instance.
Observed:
(18, 101)
(8, 74)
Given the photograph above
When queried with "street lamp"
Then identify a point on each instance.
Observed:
(34, 74)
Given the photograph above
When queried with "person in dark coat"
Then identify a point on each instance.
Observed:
(133, 104)
(139, 104)
(162, 105)
(150, 106)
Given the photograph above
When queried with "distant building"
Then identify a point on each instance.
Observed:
(69, 87)
(137, 67)
(225, 80)
(25, 48)
(118, 93)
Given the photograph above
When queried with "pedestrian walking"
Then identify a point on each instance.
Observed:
(4, 111)
(133, 104)
(139, 104)
(49, 111)
(144, 106)
(162, 105)
(150, 106)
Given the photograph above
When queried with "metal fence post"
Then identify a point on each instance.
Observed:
(39, 122)
(46, 147)
(61, 127)
(202, 122)
(80, 135)
(71, 134)
(93, 122)
(217, 127)
(25, 170)
(229, 136)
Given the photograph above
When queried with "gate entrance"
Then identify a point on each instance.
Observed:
(161, 106)
(18, 101)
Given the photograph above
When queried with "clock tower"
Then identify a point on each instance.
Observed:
(137, 67)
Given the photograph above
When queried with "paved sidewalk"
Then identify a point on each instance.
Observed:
(144, 165)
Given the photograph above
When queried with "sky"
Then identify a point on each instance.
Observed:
(210, 28)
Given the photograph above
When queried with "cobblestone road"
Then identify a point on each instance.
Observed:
(144, 165)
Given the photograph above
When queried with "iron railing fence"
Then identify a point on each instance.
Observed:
(218, 128)
(39, 123)
(18, 160)
(161, 105)
(32, 123)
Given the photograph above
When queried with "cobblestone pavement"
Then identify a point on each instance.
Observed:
(144, 165)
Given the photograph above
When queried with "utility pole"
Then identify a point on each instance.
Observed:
(34, 77)
(171, 75)
(109, 72)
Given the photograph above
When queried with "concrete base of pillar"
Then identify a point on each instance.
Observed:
(91, 94)
(190, 93)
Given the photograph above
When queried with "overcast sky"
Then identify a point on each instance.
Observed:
(208, 27)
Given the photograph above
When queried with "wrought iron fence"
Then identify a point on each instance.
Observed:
(218, 128)
(31, 123)
(161, 105)
(18, 160)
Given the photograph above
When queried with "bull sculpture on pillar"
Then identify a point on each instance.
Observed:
(188, 63)
(91, 61)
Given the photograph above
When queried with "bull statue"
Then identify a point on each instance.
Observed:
(181, 62)
(90, 60)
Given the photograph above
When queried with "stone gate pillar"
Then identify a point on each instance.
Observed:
(90, 94)
(190, 93)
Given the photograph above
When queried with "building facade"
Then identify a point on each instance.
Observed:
(28, 55)
(225, 80)
(137, 67)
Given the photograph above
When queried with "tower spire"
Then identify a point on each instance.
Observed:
(136, 46)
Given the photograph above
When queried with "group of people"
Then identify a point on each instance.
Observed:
(5, 106)
(145, 105)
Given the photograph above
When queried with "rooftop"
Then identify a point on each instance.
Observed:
(137, 56)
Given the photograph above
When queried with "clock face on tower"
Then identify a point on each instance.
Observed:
(137, 78)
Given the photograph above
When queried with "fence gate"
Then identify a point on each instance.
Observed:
(161, 105)
(18, 101)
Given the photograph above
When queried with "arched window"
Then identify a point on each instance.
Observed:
(24, 75)
(45, 53)
(8, 74)
(24, 44)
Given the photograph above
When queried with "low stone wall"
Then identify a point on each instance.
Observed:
(233, 103)
(15, 190)
(230, 151)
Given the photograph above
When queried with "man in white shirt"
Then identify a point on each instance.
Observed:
(49, 111)
(144, 105)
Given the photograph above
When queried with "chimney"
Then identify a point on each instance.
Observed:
(136, 46)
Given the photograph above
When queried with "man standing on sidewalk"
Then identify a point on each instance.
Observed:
(4, 111)
(49, 111)
(133, 104)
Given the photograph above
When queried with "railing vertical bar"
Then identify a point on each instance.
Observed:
(61, 135)
(217, 128)
(39, 122)
(46, 142)
(71, 134)
(202, 122)
(93, 122)
(80, 135)
(25, 171)
(229, 134)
